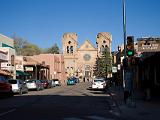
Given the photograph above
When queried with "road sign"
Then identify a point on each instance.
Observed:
(114, 69)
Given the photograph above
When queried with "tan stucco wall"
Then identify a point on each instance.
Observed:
(6, 40)
(56, 63)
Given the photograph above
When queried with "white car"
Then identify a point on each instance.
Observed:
(57, 82)
(99, 83)
(35, 84)
(18, 86)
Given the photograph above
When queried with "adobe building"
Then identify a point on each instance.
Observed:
(149, 57)
(80, 60)
(7, 46)
(55, 63)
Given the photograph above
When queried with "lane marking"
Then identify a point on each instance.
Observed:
(4, 113)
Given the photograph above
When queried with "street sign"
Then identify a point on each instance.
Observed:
(114, 69)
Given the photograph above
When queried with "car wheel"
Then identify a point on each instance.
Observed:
(38, 89)
(27, 91)
(20, 92)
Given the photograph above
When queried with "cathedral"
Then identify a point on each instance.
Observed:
(80, 60)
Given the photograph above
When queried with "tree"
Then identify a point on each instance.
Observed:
(54, 49)
(96, 71)
(103, 64)
(19, 44)
(30, 50)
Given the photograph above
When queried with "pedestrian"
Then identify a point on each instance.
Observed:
(84, 79)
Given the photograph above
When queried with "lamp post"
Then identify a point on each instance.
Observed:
(124, 27)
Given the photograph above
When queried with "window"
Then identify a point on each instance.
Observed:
(67, 49)
(102, 49)
(106, 46)
(71, 49)
(69, 42)
(104, 41)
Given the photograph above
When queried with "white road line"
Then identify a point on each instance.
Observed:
(4, 113)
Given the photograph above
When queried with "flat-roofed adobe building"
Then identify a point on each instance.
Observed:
(55, 63)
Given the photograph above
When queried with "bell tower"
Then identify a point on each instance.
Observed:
(103, 40)
(69, 44)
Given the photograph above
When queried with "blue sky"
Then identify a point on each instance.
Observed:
(43, 22)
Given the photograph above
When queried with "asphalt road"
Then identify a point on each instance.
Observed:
(75, 102)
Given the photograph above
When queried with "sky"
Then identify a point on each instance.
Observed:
(43, 22)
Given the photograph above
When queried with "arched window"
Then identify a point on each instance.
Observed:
(106, 46)
(71, 49)
(69, 42)
(67, 49)
(102, 49)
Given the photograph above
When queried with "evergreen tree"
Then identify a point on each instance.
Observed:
(103, 64)
(54, 49)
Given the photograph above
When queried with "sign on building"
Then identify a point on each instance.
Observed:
(28, 68)
(149, 45)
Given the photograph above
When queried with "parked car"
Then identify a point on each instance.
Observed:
(71, 81)
(18, 86)
(57, 82)
(45, 83)
(5, 87)
(52, 83)
(34, 84)
(99, 84)
(76, 79)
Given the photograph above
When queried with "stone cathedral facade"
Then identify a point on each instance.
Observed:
(80, 60)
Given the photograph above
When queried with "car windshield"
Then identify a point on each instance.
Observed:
(31, 81)
(12, 81)
(99, 80)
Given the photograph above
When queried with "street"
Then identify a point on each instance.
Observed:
(75, 102)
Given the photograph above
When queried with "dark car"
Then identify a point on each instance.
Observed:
(5, 87)
(45, 83)
(75, 79)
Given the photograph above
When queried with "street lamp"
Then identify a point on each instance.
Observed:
(124, 27)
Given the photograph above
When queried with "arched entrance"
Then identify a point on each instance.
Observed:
(87, 72)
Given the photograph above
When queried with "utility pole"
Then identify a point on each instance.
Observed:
(124, 27)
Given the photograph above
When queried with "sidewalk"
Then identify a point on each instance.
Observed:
(138, 109)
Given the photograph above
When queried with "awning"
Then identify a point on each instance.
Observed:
(3, 72)
(21, 73)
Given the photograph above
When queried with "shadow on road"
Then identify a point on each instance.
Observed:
(47, 107)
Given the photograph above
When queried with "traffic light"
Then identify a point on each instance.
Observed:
(130, 46)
